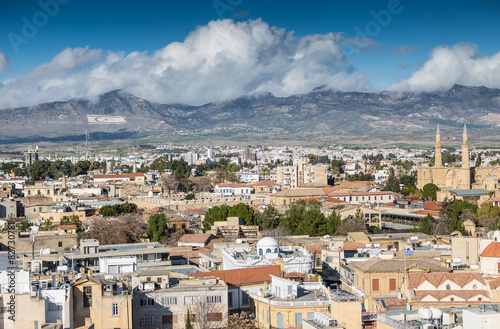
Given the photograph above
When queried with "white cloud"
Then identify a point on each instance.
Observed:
(217, 61)
(4, 62)
(447, 66)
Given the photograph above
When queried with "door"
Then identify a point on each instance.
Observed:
(280, 321)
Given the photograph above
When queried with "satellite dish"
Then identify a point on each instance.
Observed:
(436, 312)
(425, 313)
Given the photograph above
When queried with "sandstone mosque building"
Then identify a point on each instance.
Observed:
(465, 182)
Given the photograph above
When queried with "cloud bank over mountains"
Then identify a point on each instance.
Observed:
(226, 59)
(458, 64)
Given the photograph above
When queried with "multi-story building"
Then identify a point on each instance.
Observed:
(243, 282)
(157, 307)
(285, 303)
(290, 177)
(31, 156)
(106, 303)
(38, 303)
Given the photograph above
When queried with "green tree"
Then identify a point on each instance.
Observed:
(451, 210)
(190, 196)
(118, 209)
(188, 321)
(72, 220)
(47, 225)
(157, 226)
(306, 218)
(430, 191)
(354, 223)
(392, 182)
(426, 225)
(479, 160)
(269, 218)
(221, 213)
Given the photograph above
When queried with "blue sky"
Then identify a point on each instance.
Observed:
(400, 45)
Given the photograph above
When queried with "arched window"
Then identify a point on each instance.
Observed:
(261, 252)
(448, 287)
(275, 250)
(268, 250)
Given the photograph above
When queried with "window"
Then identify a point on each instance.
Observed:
(448, 287)
(479, 299)
(169, 301)
(244, 298)
(147, 302)
(169, 318)
(392, 284)
(114, 309)
(190, 300)
(147, 320)
(474, 287)
(230, 299)
(268, 250)
(310, 316)
(267, 316)
(158, 280)
(59, 244)
(298, 319)
(214, 299)
(214, 317)
(148, 279)
(289, 290)
(87, 296)
(375, 286)
(452, 299)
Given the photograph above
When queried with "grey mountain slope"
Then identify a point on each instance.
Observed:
(312, 114)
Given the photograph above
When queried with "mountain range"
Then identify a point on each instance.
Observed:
(321, 116)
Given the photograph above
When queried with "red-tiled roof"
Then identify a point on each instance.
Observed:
(195, 238)
(432, 205)
(294, 275)
(440, 294)
(266, 183)
(492, 250)
(360, 193)
(352, 246)
(243, 276)
(67, 227)
(199, 211)
(232, 185)
(425, 212)
(438, 278)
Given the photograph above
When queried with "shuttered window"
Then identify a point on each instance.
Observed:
(392, 284)
(375, 286)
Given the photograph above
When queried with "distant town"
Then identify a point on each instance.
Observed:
(183, 236)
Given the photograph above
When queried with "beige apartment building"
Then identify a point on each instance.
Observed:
(290, 177)
(105, 303)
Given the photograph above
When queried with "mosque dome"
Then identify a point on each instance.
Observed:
(267, 245)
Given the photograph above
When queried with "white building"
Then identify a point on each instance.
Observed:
(118, 265)
(228, 189)
(267, 252)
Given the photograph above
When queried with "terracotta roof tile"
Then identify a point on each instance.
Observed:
(243, 276)
(431, 205)
(492, 250)
(195, 238)
(440, 294)
(438, 278)
(266, 183)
